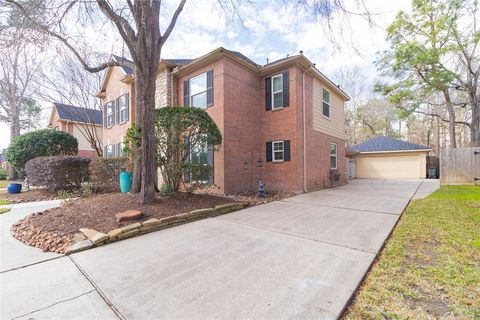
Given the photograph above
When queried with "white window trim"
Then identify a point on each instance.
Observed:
(329, 104)
(279, 91)
(190, 98)
(273, 151)
(124, 107)
(112, 105)
(336, 155)
(112, 151)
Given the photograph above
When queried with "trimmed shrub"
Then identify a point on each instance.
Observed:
(3, 174)
(57, 173)
(104, 173)
(40, 143)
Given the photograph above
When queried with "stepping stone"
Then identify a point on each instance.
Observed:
(128, 215)
(80, 246)
(95, 236)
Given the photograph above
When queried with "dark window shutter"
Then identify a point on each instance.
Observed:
(127, 109)
(186, 93)
(286, 89)
(268, 94)
(210, 164)
(105, 124)
(105, 151)
(269, 152)
(186, 150)
(286, 150)
(209, 88)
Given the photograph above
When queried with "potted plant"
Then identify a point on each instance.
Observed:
(14, 188)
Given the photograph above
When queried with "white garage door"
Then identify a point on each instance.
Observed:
(390, 166)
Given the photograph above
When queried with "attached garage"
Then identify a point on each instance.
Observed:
(388, 158)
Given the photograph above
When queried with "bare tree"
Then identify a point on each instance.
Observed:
(138, 24)
(19, 71)
(73, 85)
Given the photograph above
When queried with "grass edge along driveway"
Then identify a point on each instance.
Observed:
(430, 267)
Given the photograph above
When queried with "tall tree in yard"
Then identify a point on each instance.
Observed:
(138, 24)
(19, 72)
(434, 50)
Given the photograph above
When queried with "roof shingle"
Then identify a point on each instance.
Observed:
(382, 143)
(78, 114)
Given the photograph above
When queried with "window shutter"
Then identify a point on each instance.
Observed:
(186, 93)
(210, 164)
(286, 150)
(186, 150)
(268, 94)
(105, 116)
(127, 98)
(286, 89)
(105, 151)
(209, 88)
(269, 152)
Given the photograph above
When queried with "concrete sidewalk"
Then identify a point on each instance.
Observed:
(298, 258)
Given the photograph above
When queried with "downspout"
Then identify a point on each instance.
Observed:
(304, 132)
(171, 89)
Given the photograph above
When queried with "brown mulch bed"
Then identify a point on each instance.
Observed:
(253, 200)
(53, 229)
(28, 196)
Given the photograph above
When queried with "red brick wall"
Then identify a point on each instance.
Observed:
(215, 111)
(114, 89)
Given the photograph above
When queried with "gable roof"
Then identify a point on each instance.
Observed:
(78, 114)
(385, 144)
(126, 69)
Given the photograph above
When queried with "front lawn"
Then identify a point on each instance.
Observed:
(4, 202)
(3, 210)
(430, 267)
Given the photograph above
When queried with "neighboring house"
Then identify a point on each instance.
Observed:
(387, 158)
(282, 123)
(82, 123)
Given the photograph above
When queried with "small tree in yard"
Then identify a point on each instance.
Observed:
(40, 143)
(183, 134)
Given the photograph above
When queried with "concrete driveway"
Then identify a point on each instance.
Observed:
(298, 258)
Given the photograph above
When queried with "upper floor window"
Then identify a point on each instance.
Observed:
(198, 91)
(109, 112)
(326, 103)
(277, 91)
(123, 106)
(333, 156)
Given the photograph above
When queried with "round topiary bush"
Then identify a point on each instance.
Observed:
(40, 143)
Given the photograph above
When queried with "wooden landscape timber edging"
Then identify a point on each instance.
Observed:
(89, 238)
(460, 166)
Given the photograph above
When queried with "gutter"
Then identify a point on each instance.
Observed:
(394, 151)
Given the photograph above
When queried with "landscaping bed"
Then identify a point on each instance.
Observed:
(54, 229)
(253, 200)
(29, 196)
(430, 266)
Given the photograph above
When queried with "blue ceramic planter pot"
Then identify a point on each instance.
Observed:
(125, 181)
(14, 188)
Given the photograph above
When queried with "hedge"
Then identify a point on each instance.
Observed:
(58, 173)
(104, 173)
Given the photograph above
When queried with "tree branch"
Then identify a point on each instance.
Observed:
(163, 38)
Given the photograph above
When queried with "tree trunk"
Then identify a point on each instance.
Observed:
(14, 132)
(451, 119)
(136, 152)
(475, 124)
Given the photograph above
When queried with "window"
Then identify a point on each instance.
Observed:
(121, 145)
(277, 91)
(200, 158)
(109, 112)
(333, 156)
(109, 151)
(198, 91)
(326, 103)
(278, 151)
(123, 103)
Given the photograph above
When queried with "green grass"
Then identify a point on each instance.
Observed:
(4, 202)
(430, 267)
(5, 183)
(3, 210)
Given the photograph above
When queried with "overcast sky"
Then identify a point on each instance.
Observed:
(271, 31)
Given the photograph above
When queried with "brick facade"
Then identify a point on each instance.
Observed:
(240, 113)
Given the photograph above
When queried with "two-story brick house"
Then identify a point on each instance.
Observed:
(282, 123)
